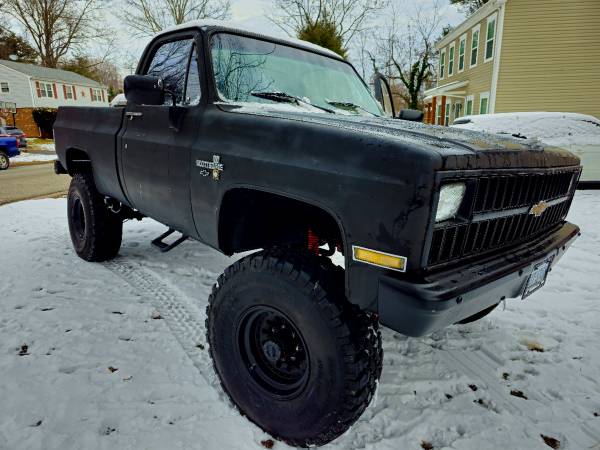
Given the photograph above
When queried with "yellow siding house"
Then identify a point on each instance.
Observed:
(519, 55)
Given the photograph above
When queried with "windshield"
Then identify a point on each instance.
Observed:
(244, 67)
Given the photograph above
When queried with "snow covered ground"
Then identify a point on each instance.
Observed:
(38, 150)
(32, 157)
(113, 356)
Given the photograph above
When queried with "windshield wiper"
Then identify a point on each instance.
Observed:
(349, 106)
(282, 97)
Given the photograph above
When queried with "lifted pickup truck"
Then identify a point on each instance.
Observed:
(246, 142)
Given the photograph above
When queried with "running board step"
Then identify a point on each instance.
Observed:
(163, 246)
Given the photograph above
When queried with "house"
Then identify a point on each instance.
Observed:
(519, 55)
(24, 87)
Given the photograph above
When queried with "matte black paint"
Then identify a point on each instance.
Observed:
(376, 177)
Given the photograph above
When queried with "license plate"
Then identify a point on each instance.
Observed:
(537, 278)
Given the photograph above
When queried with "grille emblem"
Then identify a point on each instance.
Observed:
(538, 209)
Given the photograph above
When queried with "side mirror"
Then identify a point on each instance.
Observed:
(413, 115)
(383, 94)
(144, 90)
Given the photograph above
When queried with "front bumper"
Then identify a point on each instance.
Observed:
(444, 298)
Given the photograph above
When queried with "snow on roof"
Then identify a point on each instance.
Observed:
(234, 26)
(552, 128)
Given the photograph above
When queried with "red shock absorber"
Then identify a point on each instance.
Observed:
(313, 242)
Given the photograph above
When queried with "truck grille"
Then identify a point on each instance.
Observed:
(500, 214)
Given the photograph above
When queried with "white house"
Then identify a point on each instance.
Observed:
(30, 86)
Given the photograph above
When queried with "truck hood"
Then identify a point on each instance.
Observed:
(460, 149)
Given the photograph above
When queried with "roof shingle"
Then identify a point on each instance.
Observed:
(46, 73)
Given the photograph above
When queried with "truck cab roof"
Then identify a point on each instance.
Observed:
(237, 28)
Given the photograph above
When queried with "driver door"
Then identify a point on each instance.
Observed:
(155, 148)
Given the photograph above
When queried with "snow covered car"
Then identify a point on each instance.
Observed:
(578, 133)
(247, 142)
(8, 149)
(119, 100)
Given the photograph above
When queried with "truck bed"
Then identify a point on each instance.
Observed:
(95, 131)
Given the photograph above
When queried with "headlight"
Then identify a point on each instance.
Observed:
(451, 197)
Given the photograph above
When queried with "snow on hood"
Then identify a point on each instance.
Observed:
(415, 132)
(257, 107)
(556, 129)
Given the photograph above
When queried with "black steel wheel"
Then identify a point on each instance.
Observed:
(95, 231)
(78, 218)
(273, 350)
(291, 352)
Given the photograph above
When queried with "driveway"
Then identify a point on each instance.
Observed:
(25, 182)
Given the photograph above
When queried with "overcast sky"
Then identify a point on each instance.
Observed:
(253, 14)
(249, 13)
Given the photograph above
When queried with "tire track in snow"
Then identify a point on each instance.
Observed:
(183, 317)
(484, 365)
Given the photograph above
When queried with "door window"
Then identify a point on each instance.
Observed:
(193, 92)
(170, 62)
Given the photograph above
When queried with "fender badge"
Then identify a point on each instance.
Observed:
(215, 166)
(538, 209)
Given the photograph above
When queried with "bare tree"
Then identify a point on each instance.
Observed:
(349, 16)
(406, 51)
(469, 6)
(55, 26)
(148, 17)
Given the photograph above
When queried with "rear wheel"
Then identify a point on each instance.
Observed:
(95, 231)
(4, 161)
(292, 353)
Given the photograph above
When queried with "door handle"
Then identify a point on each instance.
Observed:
(132, 115)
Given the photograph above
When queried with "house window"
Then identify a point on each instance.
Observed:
(447, 113)
(451, 60)
(458, 110)
(462, 46)
(474, 45)
(4, 88)
(484, 103)
(69, 92)
(438, 114)
(96, 95)
(442, 63)
(45, 90)
(489, 38)
(469, 105)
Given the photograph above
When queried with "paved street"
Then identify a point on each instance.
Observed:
(24, 182)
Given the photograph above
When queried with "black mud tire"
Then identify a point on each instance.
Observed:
(342, 355)
(95, 231)
(4, 161)
(480, 315)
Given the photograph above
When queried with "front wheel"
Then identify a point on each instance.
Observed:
(95, 231)
(4, 161)
(291, 352)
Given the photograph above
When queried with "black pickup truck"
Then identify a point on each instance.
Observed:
(246, 142)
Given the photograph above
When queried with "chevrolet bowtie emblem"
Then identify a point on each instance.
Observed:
(215, 166)
(538, 209)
